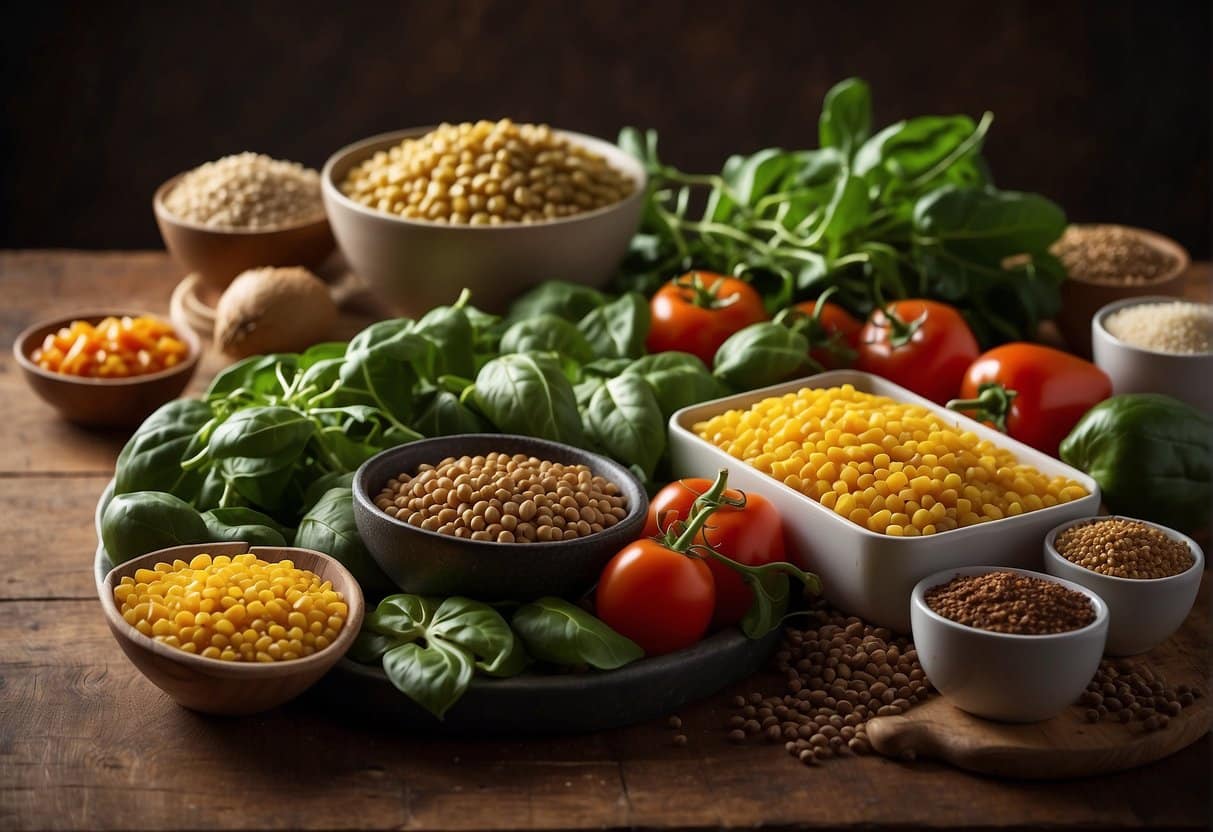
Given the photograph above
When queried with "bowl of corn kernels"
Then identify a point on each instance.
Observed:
(1148, 574)
(491, 206)
(108, 368)
(228, 629)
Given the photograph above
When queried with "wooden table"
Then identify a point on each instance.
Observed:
(86, 743)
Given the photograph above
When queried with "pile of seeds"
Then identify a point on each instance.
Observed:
(487, 173)
(1007, 602)
(247, 191)
(1111, 254)
(503, 498)
(1174, 326)
(840, 673)
(1128, 692)
(1124, 549)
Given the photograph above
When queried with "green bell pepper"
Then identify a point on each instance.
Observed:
(1151, 455)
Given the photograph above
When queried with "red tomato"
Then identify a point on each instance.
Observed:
(923, 345)
(659, 598)
(752, 535)
(697, 312)
(1035, 394)
(835, 338)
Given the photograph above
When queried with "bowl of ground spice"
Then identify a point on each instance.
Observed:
(242, 212)
(1107, 263)
(1146, 573)
(1007, 644)
(1157, 344)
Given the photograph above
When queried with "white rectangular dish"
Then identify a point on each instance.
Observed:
(862, 572)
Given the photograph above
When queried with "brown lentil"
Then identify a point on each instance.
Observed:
(486, 173)
(1007, 602)
(1128, 692)
(486, 497)
(1124, 549)
(815, 722)
(1111, 254)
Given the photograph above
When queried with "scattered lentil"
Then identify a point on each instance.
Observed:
(247, 191)
(1128, 692)
(897, 469)
(1111, 254)
(1007, 602)
(1124, 549)
(504, 498)
(1180, 327)
(487, 173)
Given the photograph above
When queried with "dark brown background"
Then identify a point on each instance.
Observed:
(1104, 106)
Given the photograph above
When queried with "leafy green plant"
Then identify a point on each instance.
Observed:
(562, 633)
(329, 527)
(139, 522)
(247, 525)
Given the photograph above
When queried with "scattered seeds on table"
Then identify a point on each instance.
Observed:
(1007, 602)
(1132, 692)
(1124, 549)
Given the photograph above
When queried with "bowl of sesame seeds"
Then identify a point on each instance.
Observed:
(1148, 574)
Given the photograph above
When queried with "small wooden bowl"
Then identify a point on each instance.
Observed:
(103, 402)
(1081, 299)
(217, 255)
(233, 688)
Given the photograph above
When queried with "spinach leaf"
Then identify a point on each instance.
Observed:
(318, 487)
(325, 351)
(547, 333)
(846, 116)
(605, 368)
(529, 394)
(257, 375)
(443, 414)
(382, 362)
(451, 333)
(434, 676)
(847, 210)
(263, 481)
(987, 226)
(329, 527)
(261, 432)
(144, 521)
(570, 301)
(245, 524)
(151, 458)
(618, 329)
(481, 631)
(624, 419)
(760, 355)
(562, 633)
(678, 379)
(909, 157)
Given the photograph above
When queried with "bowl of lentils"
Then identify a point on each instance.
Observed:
(495, 516)
(493, 206)
(1007, 644)
(1148, 574)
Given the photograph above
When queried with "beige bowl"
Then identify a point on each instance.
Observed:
(103, 402)
(417, 265)
(217, 255)
(236, 688)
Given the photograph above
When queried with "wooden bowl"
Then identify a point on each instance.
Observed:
(217, 255)
(1081, 299)
(234, 688)
(103, 402)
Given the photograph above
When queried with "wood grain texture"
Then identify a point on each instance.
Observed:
(1065, 746)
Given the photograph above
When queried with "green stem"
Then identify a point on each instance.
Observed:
(680, 538)
(992, 404)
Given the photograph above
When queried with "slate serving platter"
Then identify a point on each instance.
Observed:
(533, 703)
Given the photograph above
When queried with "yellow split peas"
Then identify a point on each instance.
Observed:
(235, 609)
(897, 469)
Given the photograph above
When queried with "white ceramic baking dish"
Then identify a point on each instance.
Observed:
(864, 573)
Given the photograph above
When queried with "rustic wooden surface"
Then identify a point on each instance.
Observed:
(85, 743)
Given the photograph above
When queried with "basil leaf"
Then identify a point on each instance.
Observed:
(753, 177)
(760, 355)
(547, 333)
(434, 676)
(261, 432)
(241, 523)
(529, 394)
(143, 521)
(317, 488)
(329, 527)
(481, 631)
(570, 301)
(450, 331)
(402, 617)
(624, 419)
(846, 116)
(678, 379)
(987, 226)
(847, 210)
(325, 351)
(562, 633)
(262, 481)
(151, 458)
(369, 647)
(443, 414)
(257, 374)
(618, 329)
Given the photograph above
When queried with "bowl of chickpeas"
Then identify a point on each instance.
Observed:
(107, 368)
(223, 628)
(492, 206)
(495, 516)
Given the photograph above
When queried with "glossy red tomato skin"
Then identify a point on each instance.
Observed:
(660, 599)
(836, 321)
(752, 535)
(678, 324)
(1054, 389)
(933, 362)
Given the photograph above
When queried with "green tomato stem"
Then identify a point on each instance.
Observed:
(992, 404)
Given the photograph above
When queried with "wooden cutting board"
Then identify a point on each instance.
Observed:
(1067, 745)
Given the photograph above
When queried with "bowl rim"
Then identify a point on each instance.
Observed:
(186, 334)
(1183, 260)
(213, 667)
(1100, 329)
(615, 156)
(363, 498)
(918, 601)
(164, 214)
(1198, 555)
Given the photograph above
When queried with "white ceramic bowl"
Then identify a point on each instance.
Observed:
(1011, 678)
(864, 573)
(418, 265)
(1135, 369)
(1142, 613)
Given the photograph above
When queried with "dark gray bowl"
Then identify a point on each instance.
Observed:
(428, 563)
